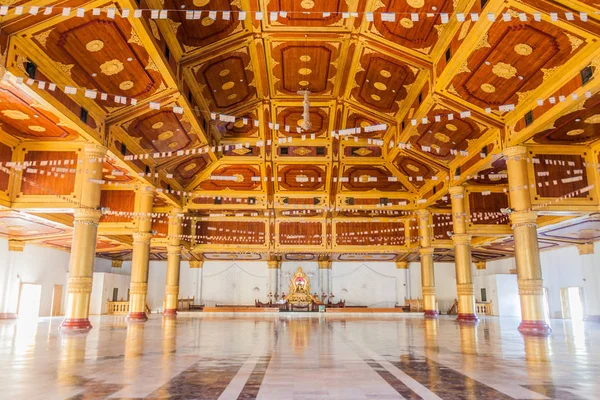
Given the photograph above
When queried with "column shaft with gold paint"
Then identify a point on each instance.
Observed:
(83, 247)
(427, 272)
(462, 257)
(274, 264)
(141, 255)
(173, 263)
(527, 254)
(325, 274)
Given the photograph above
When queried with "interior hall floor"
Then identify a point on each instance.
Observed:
(298, 356)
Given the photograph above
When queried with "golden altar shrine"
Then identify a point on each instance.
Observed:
(299, 296)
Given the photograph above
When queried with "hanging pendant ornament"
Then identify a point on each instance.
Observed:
(306, 125)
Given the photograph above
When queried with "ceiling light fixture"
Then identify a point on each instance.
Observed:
(306, 125)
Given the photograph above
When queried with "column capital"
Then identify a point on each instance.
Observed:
(15, 245)
(87, 216)
(401, 264)
(426, 250)
(324, 264)
(459, 189)
(480, 265)
(461, 238)
(523, 218)
(117, 263)
(196, 264)
(274, 264)
(142, 237)
(586, 248)
(423, 214)
(174, 250)
(94, 150)
(146, 190)
(515, 151)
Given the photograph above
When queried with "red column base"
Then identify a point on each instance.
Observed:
(170, 312)
(535, 328)
(75, 325)
(137, 316)
(467, 318)
(430, 314)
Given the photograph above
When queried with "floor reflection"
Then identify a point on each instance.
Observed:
(299, 356)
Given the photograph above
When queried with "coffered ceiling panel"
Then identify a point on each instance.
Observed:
(382, 82)
(358, 119)
(101, 53)
(580, 125)
(412, 167)
(301, 177)
(421, 35)
(309, 13)
(512, 59)
(226, 81)
(195, 34)
(304, 65)
(25, 118)
(241, 178)
(242, 128)
(363, 178)
(24, 226)
(293, 117)
(161, 131)
(187, 169)
(496, 174)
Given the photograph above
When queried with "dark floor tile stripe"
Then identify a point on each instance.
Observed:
(252, 386)
(205, 380)
(554, 392)
(446, 382)
(394, 382)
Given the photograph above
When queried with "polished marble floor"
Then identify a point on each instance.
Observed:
(298, 356)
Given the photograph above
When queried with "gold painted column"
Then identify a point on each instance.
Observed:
(173, 262)
(274, 264)
(527, 254)
(141, 255)
(401, 268)
(83, 247)
(462, 257)
(324, 276)
(427, 274)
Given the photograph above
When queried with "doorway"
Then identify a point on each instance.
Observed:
(56, 301)
(29, 301)
(571, 302)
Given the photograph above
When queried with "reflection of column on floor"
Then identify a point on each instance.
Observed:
(432, 349)
(470, 366)
(197, 265)
(134, 342)
(169, 347)
(72, 356)
(591, 287)
(537, 359)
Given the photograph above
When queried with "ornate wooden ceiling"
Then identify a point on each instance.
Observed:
(414, 76)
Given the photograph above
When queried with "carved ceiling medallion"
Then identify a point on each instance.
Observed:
(94, 45)
(165, 135)
(307, 4)
(441, 137)
(362, 151)
(385, 74)
(575, 132)
(189, 167)
(504, 70)
(173, 145)
(412, 167)
(125, 85)
(37, 128)
(241, 151)
(451, 127)
(15, 114)
(416, 3)
(523, 49)
(406, 23)
(486, 87)
(301, 151)
(594, 119)
(157, 125)
(111, 67)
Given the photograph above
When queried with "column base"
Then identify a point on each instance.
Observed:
(171, 312)
(589, 318)
(535, 328)
(472, 318)
(430, 314)
(76, 325)
(137, 316)
(8, 316)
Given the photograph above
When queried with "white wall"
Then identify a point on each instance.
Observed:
(371, 284)
(102, 290)
(37, 265)
(445, 283)
(233, 282)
